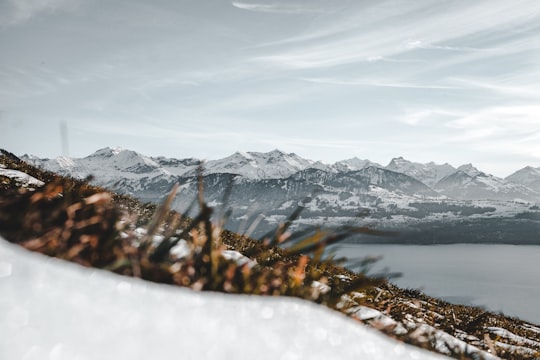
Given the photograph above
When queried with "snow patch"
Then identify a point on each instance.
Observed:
(503, 333)
(21, 177)
(238, 258)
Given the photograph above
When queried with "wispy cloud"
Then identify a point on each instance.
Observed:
(503, 47)
(443, 30)
(514, 118)
(514, 87)
(500, 130)
(278, 8)
(419, 44)
(379, 83)
(417, 117)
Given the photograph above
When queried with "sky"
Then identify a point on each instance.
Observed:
(446, 81)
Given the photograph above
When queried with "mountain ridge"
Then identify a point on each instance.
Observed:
(352, 191)
(276, 164)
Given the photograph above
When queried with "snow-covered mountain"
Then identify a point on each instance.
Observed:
(429, 173)
(528, 176)
(469, 183)
(353, 165)
(274, 183)
(256, 165)
(149, 178)
(396, 181)
(252, 165)
(119, 169)
(109, 165)
(104, 163)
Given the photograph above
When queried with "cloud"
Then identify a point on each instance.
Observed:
(512, 50)
(387, 35)
(376, 58)
(514, 87)
(378, 83)
(278, 8)
(417, 117)
(519, 119)
(419, 44)
(500, 130)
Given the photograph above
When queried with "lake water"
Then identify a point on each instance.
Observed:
(500, 278)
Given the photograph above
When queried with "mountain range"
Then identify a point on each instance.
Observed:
(274, 183)
(112, 166)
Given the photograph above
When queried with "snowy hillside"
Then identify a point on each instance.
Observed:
(353, 165)
(528, 176)
(469, 183)
(396, 181)
(124, 170)
(429, 173)
(255, 165)
(61, 311)
(24, 179)
(111, 166)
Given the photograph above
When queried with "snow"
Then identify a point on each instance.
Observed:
(447, 343)
(354, 164)
(245, 154)
(528, 176)
(368, 314)
(516, 349)
(429, 173)
(65, 162)
(20, 176)
(470, 170)
(255, 165)
(117, 150)
(51, 309)
(531, 328)
(503, 333)
(238, 258)
(443, 341)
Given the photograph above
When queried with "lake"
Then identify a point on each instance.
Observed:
(500, 278)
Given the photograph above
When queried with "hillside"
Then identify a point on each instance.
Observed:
(75, 221)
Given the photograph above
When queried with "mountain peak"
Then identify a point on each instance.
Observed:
(466, 167)
(399, 164)
(277, 151)
(259, 165)
(529, 176)
(353, 164)
(469, 169)
(429, 173)
(108, 151)
(398, 160)
(243, 154)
